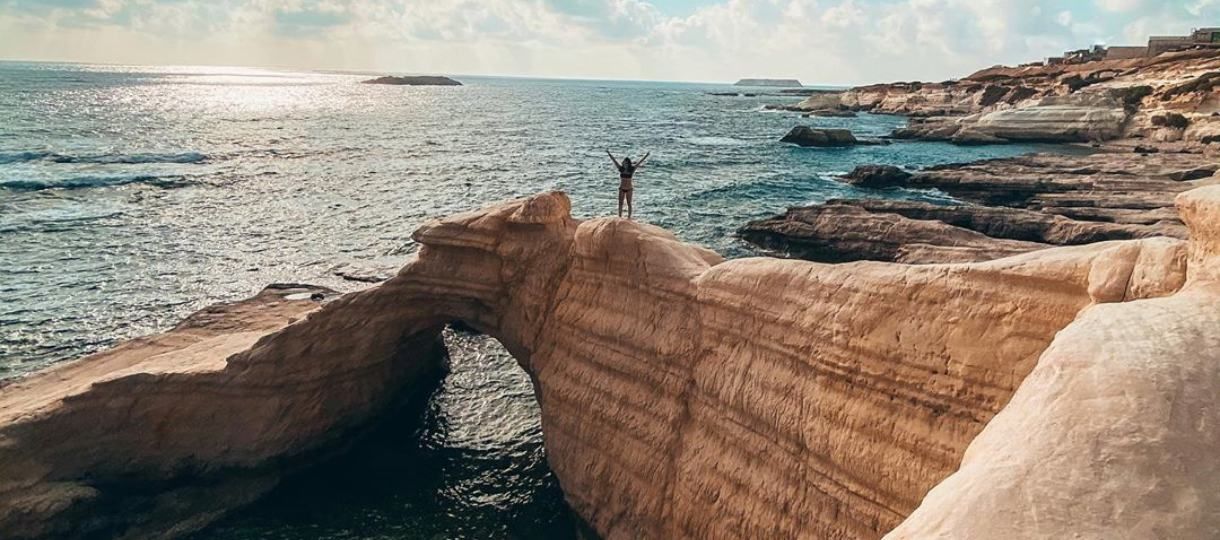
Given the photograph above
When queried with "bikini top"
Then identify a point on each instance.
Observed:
(627, 171)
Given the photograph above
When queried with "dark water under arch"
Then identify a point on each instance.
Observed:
(455, 464)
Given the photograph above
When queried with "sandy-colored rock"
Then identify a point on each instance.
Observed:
(1018, 204)
(1099, 100)
(822, 102)
(1113, 434)
(841, 231)
(682, 396)
(159, 435)
(921, 233)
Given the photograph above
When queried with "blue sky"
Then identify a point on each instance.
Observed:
(818, 41)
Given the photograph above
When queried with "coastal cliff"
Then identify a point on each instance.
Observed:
(1167, 98)
(1151, 125)
(683, 395)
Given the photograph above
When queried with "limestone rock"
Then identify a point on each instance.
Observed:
(1073, 102)
(840, 231)
(1113, 433)
(687, 397)
(1078, 117)
(920, 233)
(159, 435)
(822, 102)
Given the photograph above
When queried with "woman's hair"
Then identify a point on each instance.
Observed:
(626, 161)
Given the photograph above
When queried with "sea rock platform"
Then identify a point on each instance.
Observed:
(1063, 392)
(1001, 207)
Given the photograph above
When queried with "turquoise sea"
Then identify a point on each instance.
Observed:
(131, 196)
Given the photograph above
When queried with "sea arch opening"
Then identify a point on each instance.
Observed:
(461, 458)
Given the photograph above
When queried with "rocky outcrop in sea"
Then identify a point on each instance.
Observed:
(1003, 206)
(417, 80)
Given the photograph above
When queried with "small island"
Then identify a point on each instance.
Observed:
(419, 80)
(783, 83)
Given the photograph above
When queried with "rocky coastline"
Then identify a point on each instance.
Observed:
(1037, 359)
(682, 395)
(1151, 125)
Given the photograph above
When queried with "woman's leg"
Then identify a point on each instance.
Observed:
(629, 208)
(621, 194)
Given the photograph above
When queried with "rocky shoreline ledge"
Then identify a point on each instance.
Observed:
(1006, 206)
(683, 395)
(1152, 125)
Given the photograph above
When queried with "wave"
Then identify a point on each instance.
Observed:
(86, 182)
(717, 141)
(19, 157)
(104, 159)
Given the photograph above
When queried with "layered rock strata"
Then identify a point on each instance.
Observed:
(160, 435)
(1167, 98)
(1005, 206)
(682, 396)
(1113, 434)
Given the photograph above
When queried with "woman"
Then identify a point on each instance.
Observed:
(626, 170)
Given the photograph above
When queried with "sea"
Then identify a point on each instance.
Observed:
(131, 196)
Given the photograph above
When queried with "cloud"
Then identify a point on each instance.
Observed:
(309, 19)
(826, 41)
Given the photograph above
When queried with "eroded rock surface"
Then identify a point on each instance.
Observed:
(160, 435)
(1005, 206)
(1113, 434)
(1167, 98)
(682, 396)
(807, 136)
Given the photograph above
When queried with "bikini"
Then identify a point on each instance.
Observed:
(625, 174)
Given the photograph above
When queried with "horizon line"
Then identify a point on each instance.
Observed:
(347, 71)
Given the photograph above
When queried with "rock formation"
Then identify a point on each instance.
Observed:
(1099, 100)
(824, 138)
(1113, 434)
(419, 80)
(877, 176)
(160, 435)
(683, 396)
(807, 136)
(1006, 206)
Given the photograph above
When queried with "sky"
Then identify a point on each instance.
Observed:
(818, 41)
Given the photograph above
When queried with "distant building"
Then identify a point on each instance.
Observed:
(1126, 52)
(1208, 38)
(1199, 37)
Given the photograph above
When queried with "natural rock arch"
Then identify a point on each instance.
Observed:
(681, 395)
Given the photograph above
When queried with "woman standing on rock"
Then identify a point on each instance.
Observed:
(626, 170)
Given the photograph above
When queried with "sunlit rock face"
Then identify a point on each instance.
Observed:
(160, 434)
(683, 396)
(1114, 433)
(1167, 98)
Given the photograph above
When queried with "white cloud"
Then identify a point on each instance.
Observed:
(825, 41)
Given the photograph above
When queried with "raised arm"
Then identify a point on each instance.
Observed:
(643, 159)
(616, 163)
